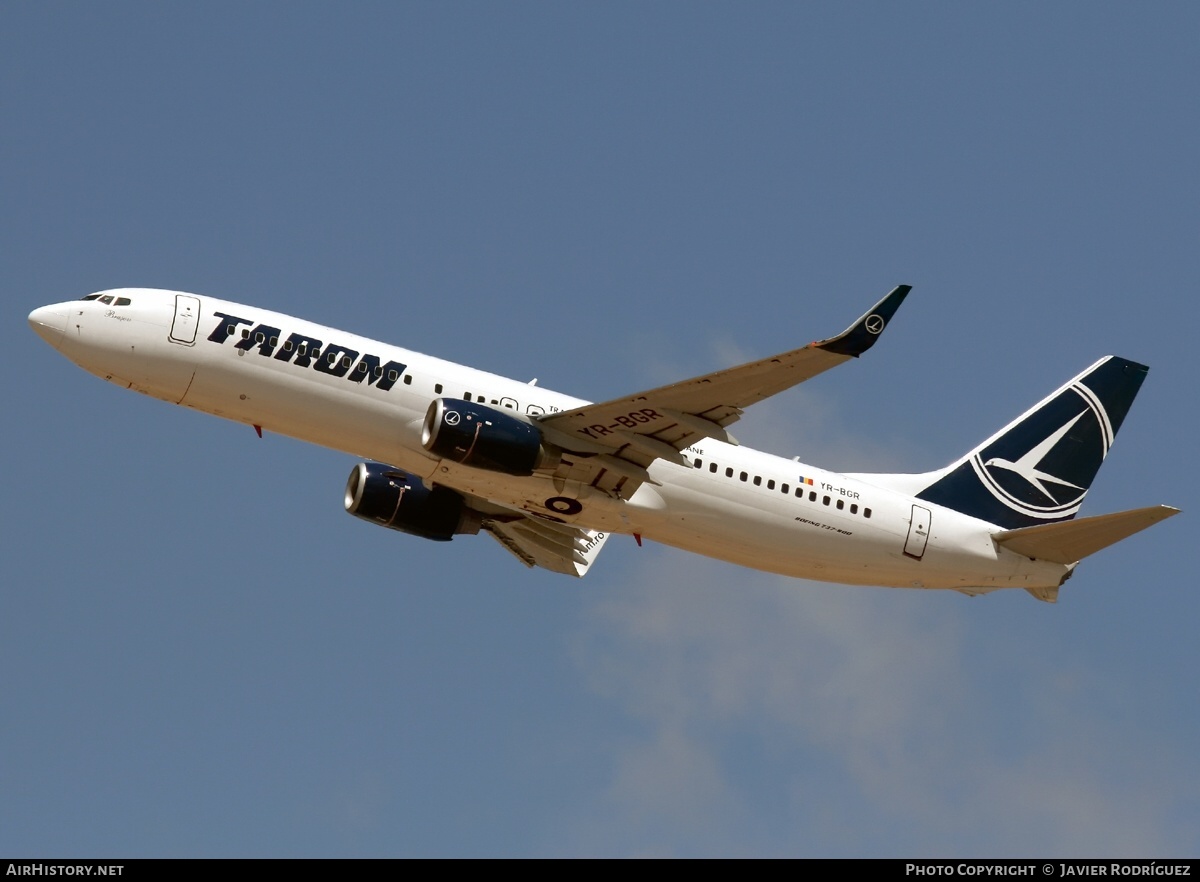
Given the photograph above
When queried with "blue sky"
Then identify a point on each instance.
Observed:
(201, 654)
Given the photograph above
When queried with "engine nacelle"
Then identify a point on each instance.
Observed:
(400, 501)
(477, 435)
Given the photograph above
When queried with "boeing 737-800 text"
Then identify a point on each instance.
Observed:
(452, 450)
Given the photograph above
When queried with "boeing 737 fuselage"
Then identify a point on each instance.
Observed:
(451, 450)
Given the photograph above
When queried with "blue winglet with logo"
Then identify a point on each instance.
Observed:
(861, 335)
(1037, 469)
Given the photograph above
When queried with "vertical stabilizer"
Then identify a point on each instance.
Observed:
(1037, 469)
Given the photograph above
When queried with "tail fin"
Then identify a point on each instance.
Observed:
(1037, 469)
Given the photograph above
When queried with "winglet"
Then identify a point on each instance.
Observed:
(861, 335)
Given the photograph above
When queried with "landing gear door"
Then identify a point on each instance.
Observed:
(918, 533)
(187, 313)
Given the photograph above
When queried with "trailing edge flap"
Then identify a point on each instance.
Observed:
(662, 422)
(1069, 541)
(554, 546)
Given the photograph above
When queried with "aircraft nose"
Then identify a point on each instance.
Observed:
(50, 322)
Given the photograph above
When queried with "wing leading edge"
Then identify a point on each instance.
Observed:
(609, 445)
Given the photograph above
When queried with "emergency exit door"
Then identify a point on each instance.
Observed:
(918, 533)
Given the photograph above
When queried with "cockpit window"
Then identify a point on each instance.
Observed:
(106, 299)
(90, 297)
(122, 301)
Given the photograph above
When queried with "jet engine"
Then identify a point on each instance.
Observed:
(400, 501)
(476, 435)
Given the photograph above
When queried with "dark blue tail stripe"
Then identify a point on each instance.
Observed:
(1038, 470)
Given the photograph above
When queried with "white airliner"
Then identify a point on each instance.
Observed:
(453, 450)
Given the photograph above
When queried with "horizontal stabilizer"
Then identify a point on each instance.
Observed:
(1069, 541)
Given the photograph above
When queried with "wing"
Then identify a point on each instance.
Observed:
(538, 542)
(609, 445)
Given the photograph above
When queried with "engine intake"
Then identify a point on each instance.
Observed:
(477, 435)
(400, 501)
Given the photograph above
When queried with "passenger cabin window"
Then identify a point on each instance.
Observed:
(712, 467)
(437, 388)
(407, 379)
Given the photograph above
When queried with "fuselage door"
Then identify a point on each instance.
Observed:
(187, 313)
(918, 532)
